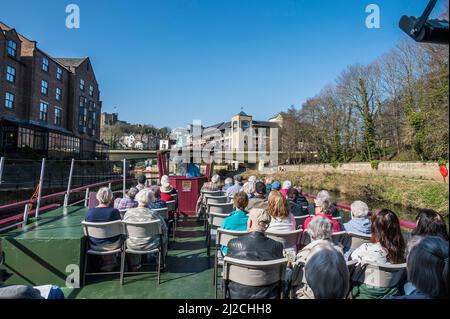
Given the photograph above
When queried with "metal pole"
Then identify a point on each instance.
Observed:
(124, 177)
(86, 198)
(25, 215)
(2, 163)
(41, 184)
(69, 183)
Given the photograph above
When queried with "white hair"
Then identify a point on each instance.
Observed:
(327, 273)
(249, 187)
(286, 185)
(322, 197)
(252, 179)
(145, 196)
(105, 195)
(165, 180)
(215, 179)
(359, 209)
(320, 228)
(228, 180)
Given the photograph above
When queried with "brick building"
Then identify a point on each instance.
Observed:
(48, 106)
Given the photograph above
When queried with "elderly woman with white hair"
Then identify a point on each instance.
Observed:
(103, 213)
(143, 214)
(326, 273)
(360, 222)
(324, 207)
(320, 231)
(250, 186)
(167, 190)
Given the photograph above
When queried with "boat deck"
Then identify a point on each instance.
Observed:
(44, 248)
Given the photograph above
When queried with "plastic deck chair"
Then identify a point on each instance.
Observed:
(353, 240)
(300, 220)
(289, 239)
(222, 238)
(172, 207)
(101, 231)
(142, 230)
(219, 208)
(254, 273)
(379, 276)
(122, 213)
(338, 237)
(215, 220)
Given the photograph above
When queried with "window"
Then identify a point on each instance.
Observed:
(12, 48)
(59, 73)
(44, 87)
(58, 94)
(10, 74)
(45, 64)
(9, 100)
(81, 84)
(57, 116)
(82, 115)
(43, 107)
(91, 90)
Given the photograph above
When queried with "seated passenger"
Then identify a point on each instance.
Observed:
(320, 231)
(141, 182)
(321, 196)
(293, 202)
(166, 181)
(249, 186)
(236, 188)
(268, 181)
(128, 201)
(323, 208)
(259, 199)
(427, 269)
(360, 222)
(143, 214)
(166, 191)
(387, 247)
(228, 183)
(282, 220)
(239, 218)
(257, 247)
(430, 223)
(213, 185)
(157, 203)
(285, 188)
(326, 273)
(101, 214)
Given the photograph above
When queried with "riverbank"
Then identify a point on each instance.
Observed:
(409, 193)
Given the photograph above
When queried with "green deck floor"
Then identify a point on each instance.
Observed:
(188, 274)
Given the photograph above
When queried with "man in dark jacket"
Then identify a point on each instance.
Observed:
(255, 247)
(298, 205)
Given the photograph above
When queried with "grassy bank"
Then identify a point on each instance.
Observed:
(398, 191)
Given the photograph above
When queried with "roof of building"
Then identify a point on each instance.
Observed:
(71, 62)
(242, 113)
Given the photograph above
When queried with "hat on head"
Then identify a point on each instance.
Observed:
(238, 178)
(276, 185)
(166, 188)
(215, 179)
(165, 180)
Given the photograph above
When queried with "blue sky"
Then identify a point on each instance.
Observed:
(167, 62)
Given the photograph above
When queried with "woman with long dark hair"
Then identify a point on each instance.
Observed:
(387, 244)
(430, 223)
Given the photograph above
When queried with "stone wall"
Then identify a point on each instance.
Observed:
(411, 170)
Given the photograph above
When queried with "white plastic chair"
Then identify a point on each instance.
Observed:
(289, 239)
(148, 229)
(101, 231)
(254, 273)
